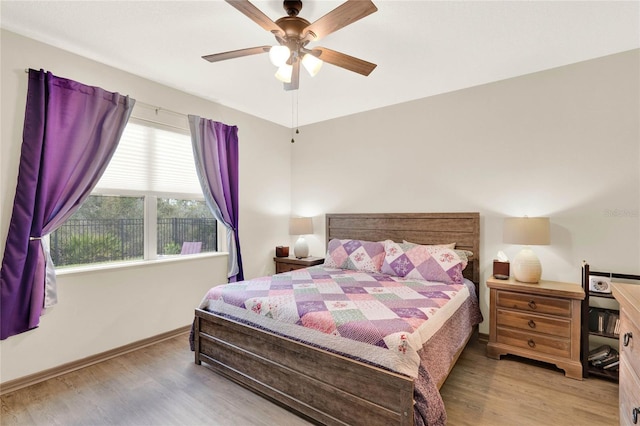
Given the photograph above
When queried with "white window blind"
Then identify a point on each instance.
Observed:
(153, 160)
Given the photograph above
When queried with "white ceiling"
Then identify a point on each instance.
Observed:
(422, 48)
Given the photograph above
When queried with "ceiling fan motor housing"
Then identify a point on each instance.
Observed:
(292, 27)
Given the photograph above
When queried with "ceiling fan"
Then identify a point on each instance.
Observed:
(293, 33)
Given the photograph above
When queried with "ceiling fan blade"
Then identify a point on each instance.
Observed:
(295, 77)
(236, 53)
(256, 15)
(344, 61)
(343, 15)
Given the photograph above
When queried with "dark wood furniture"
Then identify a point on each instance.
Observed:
(325, 387)
(286, 264)
(590, 336)
(537, 321)
(628, 295)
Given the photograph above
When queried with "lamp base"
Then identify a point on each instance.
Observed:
(526, 267)
(301, 249)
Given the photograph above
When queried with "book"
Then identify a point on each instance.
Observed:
(600, 321)
(612, 366)
(593, 320)
(611, 322)
(599, 353)
(613, 356)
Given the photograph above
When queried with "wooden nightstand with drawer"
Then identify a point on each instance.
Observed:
(537, 321)
(286, 264)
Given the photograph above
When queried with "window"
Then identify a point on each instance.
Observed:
(182, 221)
(147, 204)
(104, 229)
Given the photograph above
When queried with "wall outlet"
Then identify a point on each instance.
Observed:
(599, 284)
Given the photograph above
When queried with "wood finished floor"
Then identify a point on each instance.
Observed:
(161, 385)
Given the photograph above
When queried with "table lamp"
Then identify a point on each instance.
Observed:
(301, 226)
(526, 231)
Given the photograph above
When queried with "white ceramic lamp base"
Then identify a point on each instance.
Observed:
(301, 249)
(526, 266)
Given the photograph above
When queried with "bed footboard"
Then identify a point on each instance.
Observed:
(325, 387)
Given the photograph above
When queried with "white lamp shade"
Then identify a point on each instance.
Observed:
(311, 64)
(300, 226)
(284, 73)
(528, 231)
(278, 55)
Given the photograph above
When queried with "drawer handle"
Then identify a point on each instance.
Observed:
(635, 413)
(627, 336)
(532, 304)
(531, 343)
(532, 324)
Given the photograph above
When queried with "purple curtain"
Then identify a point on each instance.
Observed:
(70, 133)
(215, 150)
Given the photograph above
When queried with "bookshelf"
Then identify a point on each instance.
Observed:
(600, 314)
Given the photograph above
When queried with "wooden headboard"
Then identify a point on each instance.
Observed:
(420, 228)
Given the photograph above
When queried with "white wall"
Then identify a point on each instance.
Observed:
(562, 143)
(103, 310)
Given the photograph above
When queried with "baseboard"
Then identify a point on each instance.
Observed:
(483, 338)
(32, 379)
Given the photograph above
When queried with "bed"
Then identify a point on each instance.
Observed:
(334, 386)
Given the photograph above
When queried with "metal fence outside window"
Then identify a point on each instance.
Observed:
(85, 241)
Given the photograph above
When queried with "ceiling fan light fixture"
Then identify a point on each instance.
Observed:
(279, 55)
(284, 73)
(312, 64)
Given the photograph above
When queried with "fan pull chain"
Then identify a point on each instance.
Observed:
(294, 108)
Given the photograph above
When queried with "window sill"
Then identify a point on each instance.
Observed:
(136, 263)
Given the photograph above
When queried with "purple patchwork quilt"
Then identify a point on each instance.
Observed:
(381, 319)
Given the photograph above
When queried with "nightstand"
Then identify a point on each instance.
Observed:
(286, 264)
(536, 321)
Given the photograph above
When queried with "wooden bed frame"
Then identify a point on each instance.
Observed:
(321, 386)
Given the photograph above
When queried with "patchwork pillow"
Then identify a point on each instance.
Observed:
(464, 255)
(356, 255)
(430, 263)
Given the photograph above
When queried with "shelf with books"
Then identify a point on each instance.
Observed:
(601, 328)
(604, 322)
(601, 325)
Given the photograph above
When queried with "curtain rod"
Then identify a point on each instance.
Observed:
(158, 109)
(161, 123)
